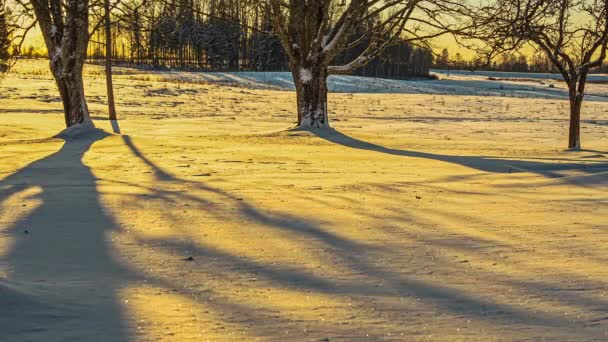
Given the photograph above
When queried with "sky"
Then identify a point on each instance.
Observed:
(448, 42)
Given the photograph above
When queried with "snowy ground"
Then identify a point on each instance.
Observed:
(454, 84)
(200, 217)
(514, 75)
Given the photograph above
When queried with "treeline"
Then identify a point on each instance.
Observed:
(398, 61)
(509, 62)
(224, 35)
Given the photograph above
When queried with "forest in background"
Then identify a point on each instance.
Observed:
(236, 35)
(225, 35)
(507, 62)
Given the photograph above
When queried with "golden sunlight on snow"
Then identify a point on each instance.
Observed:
(201, 216)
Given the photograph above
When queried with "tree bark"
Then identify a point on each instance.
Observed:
(64, 27)
(311, 91)
(110, 87)
(71, 89)
(576, 102)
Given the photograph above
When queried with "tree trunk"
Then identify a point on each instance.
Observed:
(110, 87)
(66, 39)
(71, 89)
(576, 102)
(311, 91)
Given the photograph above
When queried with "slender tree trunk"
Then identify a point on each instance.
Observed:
(576, 102)
(311, 91)
(110, 87)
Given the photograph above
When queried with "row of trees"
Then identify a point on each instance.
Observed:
(323, 37)
(216, 35)
(507, 62)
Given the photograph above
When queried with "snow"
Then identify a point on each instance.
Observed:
(324, 41)
(79, 131)
(305, 75)
(57, 53)
(201, 217)
(329, 45)
(458, 83)
(514, 75)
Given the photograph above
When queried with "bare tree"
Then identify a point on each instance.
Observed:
(573, 34)
(5, 42)
(65, 28)
(12, 34)
(314, 32)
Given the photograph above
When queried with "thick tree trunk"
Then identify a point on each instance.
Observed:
(576, 102)
(64, 26)
(71, 88)
(311, 91)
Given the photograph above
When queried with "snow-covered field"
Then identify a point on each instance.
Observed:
(200, 216)
(458, 82)
(514, 75)
(454, 84)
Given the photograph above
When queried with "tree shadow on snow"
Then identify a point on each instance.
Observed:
(217, 263)
(62, 278)
(67, 242)
(482, 163)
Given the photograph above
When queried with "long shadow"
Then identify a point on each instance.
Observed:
(449, 300)
(217, 262)
(481, 163)
(62, 279)
(44, 281)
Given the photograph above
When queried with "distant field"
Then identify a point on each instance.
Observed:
(517, 75)
(518, 85)
(455, 84)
